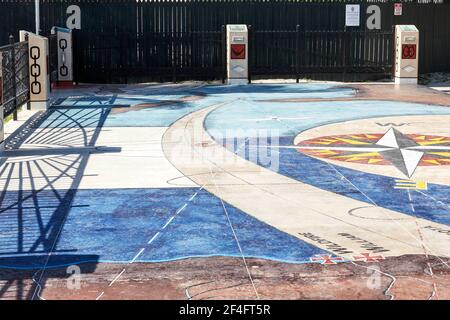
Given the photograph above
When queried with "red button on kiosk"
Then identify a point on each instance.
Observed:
(237, 51)
(409, 51)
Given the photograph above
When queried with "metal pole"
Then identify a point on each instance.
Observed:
(14, 77)
(224, 54)
(249, 41)
(297, 53)
(37, 15)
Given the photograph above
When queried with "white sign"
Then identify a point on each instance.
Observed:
(352, 15)
(398, 9)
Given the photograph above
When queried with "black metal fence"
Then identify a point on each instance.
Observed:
(174, 56)
(133, 24)
(155, 56)
(53, 57)
(311, 52)
(116, 16)
(14, 77)
(347, 52)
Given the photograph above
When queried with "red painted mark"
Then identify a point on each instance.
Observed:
(366, 257)
(326, 259)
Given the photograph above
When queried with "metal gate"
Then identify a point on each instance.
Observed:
(14, 80)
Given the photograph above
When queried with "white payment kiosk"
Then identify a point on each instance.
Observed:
(65, 55)
(406, 54)
(39, 73)
(237, 54)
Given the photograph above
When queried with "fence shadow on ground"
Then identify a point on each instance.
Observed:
(44, 164)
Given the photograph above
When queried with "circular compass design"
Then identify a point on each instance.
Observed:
(404, 151)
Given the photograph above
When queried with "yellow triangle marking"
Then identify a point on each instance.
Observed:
(437, 139)
(444, 154)
(374, 160)
(350, 141)
(427, 143)
(326, 152)
(432, 161)
(359, 155)
(355, 159)
(324, 142)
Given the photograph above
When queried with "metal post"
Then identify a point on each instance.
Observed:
(394, 45)
(28, 75)
(75, 54)
(224, 54)
(37, 16)
(13, 71)
(297, 53)
(344, 56)
(250, 39)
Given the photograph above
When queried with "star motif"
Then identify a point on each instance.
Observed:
(398, 149)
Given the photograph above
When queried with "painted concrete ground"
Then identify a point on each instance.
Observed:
(432, 204)
(141, 174)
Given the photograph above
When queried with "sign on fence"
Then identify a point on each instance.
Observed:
(352, 13)
(398, 9)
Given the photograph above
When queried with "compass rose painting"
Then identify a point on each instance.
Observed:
(403, 151)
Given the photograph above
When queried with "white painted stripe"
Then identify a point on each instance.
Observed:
(154, 237)
(193, 196)
(101, 295)
(168, 222)
(117, 277)
(182, 208)
(138, 254)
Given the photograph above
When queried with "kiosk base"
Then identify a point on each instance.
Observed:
(405, 80)
(237, 81)
(39, 105)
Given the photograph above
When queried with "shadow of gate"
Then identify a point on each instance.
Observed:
(44, 164)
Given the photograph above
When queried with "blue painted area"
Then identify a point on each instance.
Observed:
(161, 116)
(278, 91)
(113, 226)
(174, 108)
(289, 119)
(433, 204)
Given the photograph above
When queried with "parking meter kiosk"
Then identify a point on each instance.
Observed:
(237, 54)
(406, 54)
(39, 73)
(65, 55)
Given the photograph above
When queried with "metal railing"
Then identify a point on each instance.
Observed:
(14, 77)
